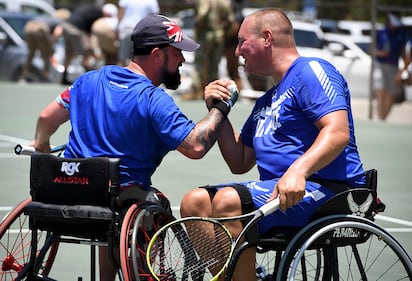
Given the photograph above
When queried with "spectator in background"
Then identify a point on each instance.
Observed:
(41, 35)
(77, 34)
(213, 18)
(405, 71)
(104, 30)
(130, 12)
(231, 41)
(390, 47)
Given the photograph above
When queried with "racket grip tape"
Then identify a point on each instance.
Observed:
(270, 207)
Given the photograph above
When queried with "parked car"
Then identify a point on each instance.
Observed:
(14, 52)
(33, 7)
(353, 62)
(359, 31)
(310, 39)
(16, 20)
(407, 25)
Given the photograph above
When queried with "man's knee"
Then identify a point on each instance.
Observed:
(196, 203)
(226, 203)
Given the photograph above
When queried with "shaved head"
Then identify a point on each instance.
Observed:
(277, 22)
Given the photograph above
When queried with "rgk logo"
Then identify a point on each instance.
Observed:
(70, 168)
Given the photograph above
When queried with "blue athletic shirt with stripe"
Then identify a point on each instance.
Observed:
(117, 113)
(282, 125)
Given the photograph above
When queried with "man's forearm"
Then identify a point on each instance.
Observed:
(204, 135)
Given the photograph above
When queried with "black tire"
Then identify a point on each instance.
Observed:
(139, 224)
(353, 248)
(15, 246)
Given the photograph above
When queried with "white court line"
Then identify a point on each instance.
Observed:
(9, 155)
(393, 220)
(398, 230)
(378, 217)
(10, 142)
(13, 139)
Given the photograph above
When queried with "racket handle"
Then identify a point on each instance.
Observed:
(22, 149)
(270, 207)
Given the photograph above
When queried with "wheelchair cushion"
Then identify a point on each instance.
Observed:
(82, 221)
(69, 214)
(135, 194)
(69, 181)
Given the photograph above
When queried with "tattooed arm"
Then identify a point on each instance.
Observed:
(203, 136)
(207, 131)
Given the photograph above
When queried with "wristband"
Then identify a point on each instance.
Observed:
(225, 106)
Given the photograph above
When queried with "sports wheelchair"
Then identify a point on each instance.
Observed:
(341, 242)
(79, 201)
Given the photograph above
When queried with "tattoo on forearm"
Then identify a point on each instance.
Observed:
(209, 128)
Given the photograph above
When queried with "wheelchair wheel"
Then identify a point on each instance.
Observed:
(139, 224)
(267, 264)
(353, 248)
(15, 246)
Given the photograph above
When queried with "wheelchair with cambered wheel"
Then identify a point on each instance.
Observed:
(342, 242)
(79, 201)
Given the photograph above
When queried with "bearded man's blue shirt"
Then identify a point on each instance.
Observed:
(117, 113)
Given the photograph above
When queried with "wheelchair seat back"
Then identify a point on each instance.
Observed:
(354, 201)
(348, 201)
(72, 196)
(73, 181)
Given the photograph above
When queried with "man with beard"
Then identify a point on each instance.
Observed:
(121, 111)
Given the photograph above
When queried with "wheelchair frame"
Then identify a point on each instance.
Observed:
(314, 252)
(33, 249)
(30, 234)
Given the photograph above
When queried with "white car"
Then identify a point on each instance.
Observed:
(14, 52)
(33, 7)
(360, 32)
(353, 62)
(310, 40)
(354, 28)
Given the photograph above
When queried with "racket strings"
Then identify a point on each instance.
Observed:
(191, 250)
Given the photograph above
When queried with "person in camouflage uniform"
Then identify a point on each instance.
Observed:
(230, 44)
(213, 18)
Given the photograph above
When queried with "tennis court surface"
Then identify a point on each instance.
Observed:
(385, 146)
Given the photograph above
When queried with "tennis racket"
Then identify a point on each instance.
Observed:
(21, 149)
(196, 248)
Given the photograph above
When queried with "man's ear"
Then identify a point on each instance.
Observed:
(157, 55)
(267, 37)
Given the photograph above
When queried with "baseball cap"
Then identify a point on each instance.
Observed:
(394, 20)
(110, 10)
(157, 31)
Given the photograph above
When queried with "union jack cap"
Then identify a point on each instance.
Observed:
(158, 30)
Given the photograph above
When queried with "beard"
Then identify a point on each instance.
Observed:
(171, 80)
